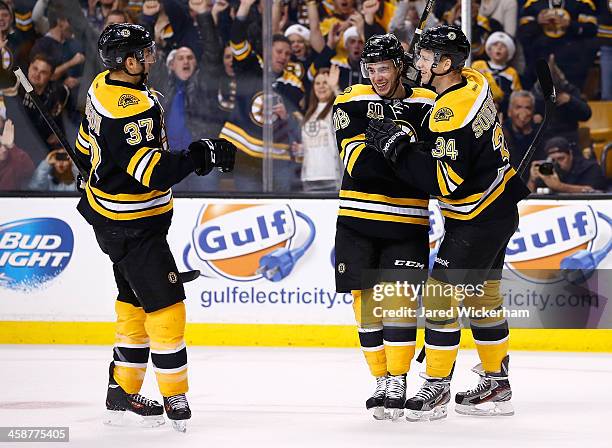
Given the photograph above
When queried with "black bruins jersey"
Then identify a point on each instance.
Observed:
(506, 78)
(122, 140)
(468, 166)
(373, 200)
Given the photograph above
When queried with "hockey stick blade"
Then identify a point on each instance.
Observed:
(25, 82)
(189, 276)
(550, 98)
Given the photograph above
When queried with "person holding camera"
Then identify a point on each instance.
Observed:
(561, 172)
(54, 173)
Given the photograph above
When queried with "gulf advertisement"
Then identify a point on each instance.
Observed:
(267, 261)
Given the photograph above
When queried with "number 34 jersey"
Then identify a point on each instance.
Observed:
(373, 200)
(467, 164)
(122, 139)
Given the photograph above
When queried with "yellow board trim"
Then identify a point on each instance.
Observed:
(349, 194)
(287, 335)
(383, 217)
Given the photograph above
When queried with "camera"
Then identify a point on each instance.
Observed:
(546, 168)
(61, 156)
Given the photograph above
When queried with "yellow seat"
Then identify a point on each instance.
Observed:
(600, 123)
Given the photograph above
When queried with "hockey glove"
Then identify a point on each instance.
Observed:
(383, 136)
(208, 153)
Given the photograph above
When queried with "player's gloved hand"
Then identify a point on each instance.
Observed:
(383, 136)
(208, 153)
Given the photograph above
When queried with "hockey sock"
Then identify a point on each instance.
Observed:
(370, 331)
(166, 329)
(131, 350)
(442, 332)
(490, 333)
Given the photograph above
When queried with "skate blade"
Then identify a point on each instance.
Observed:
(378, 413)
(490, 409)
(436, 413)
(125, 418)
(394, 414)
(179, 425)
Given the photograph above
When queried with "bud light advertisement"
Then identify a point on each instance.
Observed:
(33, 252)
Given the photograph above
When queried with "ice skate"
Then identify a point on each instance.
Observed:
(395, 398)
(177, 410)
(376, 403)
(492, 395)
(431, 400)
(150, 412)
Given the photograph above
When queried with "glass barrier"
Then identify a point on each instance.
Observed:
(264, 74)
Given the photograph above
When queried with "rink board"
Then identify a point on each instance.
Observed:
(57, 287)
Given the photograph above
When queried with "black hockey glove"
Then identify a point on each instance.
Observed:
(208, 153)
(383, 136)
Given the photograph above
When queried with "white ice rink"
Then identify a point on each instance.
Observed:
(266, 397)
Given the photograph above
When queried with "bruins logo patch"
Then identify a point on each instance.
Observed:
(443, 114)
(127, 99)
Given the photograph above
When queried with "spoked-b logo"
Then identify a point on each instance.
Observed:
(247, 242)
(33, 252)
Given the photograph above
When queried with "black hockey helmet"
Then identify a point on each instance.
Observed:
(121, 40)
(446, 40)
(382, 47)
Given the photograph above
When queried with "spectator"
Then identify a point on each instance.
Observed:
(571, 174)
(519, 128)
(321, 166)
(571, 107)
(53, 95)
(482, 27)
(55, 173)
(16, 166)
(502, 78)
(406, 19)
(350, 66)
(226, 95)
(244, 127)
(563, 28)
(302, 54)
(65, 53)
(605, 39)
(97, 12)
(15, 45)
(504, 11)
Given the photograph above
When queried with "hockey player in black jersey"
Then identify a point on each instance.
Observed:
(383, 223)
(128, 201)
(465, 164)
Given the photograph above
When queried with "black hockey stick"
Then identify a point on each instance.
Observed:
(412, 74)
(23, 80)
(550, 98)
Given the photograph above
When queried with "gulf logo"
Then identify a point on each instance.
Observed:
(231, 238)
(546, 235)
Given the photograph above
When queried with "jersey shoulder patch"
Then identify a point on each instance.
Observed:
(117, 101)
(357, 92)
(456, 109)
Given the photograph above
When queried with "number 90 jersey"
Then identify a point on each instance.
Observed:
(373, 200)
(122, 139)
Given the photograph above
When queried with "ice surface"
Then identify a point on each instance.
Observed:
(294, 397)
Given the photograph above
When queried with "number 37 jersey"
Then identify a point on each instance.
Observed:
(123, 142)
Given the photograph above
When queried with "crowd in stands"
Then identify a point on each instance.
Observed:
(209, 79)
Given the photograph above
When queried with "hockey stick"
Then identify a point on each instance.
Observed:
(412, 74)
(23, 80)
(550, 98)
